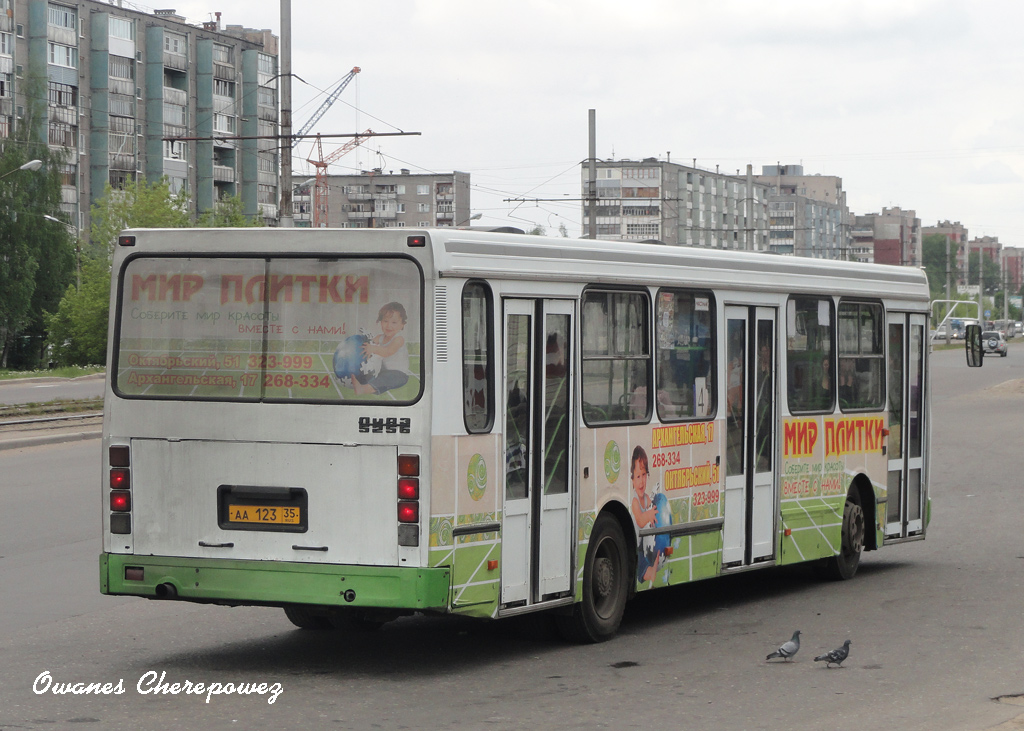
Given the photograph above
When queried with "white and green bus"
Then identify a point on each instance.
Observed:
(358, 424)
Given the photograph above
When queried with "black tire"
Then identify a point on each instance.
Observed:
(304, 618)
(606, 576)
(844, 564)
(355, 621)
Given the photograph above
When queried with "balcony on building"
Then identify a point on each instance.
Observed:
(223, 72)
(177, 97)
(223, 174)
(121, 161)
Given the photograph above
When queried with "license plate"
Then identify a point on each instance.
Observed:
(264, 515)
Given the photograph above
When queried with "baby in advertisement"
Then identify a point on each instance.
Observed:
(377, 364)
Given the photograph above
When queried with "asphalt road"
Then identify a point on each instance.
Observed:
(935, 625)
(38, 390)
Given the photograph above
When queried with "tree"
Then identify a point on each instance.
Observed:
(36, 255)
(78, 329)
(991, 273)
(937, 265)
(229, 212)
(538, 230)
(138, 205)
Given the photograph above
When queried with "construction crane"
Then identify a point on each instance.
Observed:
(320, 186)
(331, 98)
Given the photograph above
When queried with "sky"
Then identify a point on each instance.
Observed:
(913, 103)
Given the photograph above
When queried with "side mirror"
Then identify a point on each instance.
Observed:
(972, 341)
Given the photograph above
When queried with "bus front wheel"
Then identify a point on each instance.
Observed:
(605, 586)
(844, 564)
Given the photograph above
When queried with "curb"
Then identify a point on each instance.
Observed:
(24, 442)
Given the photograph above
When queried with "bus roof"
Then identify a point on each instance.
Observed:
(485, 254)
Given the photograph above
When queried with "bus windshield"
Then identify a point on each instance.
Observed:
(269, 329)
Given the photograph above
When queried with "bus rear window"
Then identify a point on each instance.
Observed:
(269, 329)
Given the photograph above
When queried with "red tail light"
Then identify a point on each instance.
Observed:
(120, 456)
(119, 479)
(408, 488)
(120, 459)
(408, 500)
(409, 465)
(408, 512)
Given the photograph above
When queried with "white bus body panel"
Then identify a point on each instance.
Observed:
(351, 500)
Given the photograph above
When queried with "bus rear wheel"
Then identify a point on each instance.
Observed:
(605, 586)
(844, 564)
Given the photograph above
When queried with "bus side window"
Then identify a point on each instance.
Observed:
(810, 354)
(685, 355)
(477, 363)
(616, 357)
(861, 356)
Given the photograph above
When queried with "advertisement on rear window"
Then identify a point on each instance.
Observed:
(335, 330)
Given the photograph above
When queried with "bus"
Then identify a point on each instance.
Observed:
(355, 425)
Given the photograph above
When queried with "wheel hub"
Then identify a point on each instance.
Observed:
(604, 577)
(853, 527)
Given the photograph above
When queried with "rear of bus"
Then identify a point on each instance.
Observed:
(265, 422)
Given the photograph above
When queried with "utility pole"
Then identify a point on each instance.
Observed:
(749, 212)
(949, 329)
(1006, 299)
(285, 62)
(592, 175)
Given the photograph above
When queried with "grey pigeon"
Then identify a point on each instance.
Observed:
(835, 656)
(787, 649)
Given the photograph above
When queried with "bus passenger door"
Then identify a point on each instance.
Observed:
(905, 494)
(537, 524)
(751, 416)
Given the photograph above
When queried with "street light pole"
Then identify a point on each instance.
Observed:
(30, 165)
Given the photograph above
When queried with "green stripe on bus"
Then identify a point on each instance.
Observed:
(279, 582)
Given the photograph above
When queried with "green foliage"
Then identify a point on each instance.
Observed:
(990, 271)
(937, 265)
(78, 329)
(538, 230)
(229, 212)
(36, 255)
(138, 205)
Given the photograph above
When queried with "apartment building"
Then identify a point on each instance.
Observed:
(378, 199)
(893, 236)
(654, 200)
(1013, 269)
(955, 234)
(808, 215)
(118, 82)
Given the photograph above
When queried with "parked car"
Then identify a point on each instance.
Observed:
(992, 341)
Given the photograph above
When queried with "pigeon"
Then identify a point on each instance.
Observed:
(787, 649)
(835, 656)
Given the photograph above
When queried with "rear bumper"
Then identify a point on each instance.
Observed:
(226, 581)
